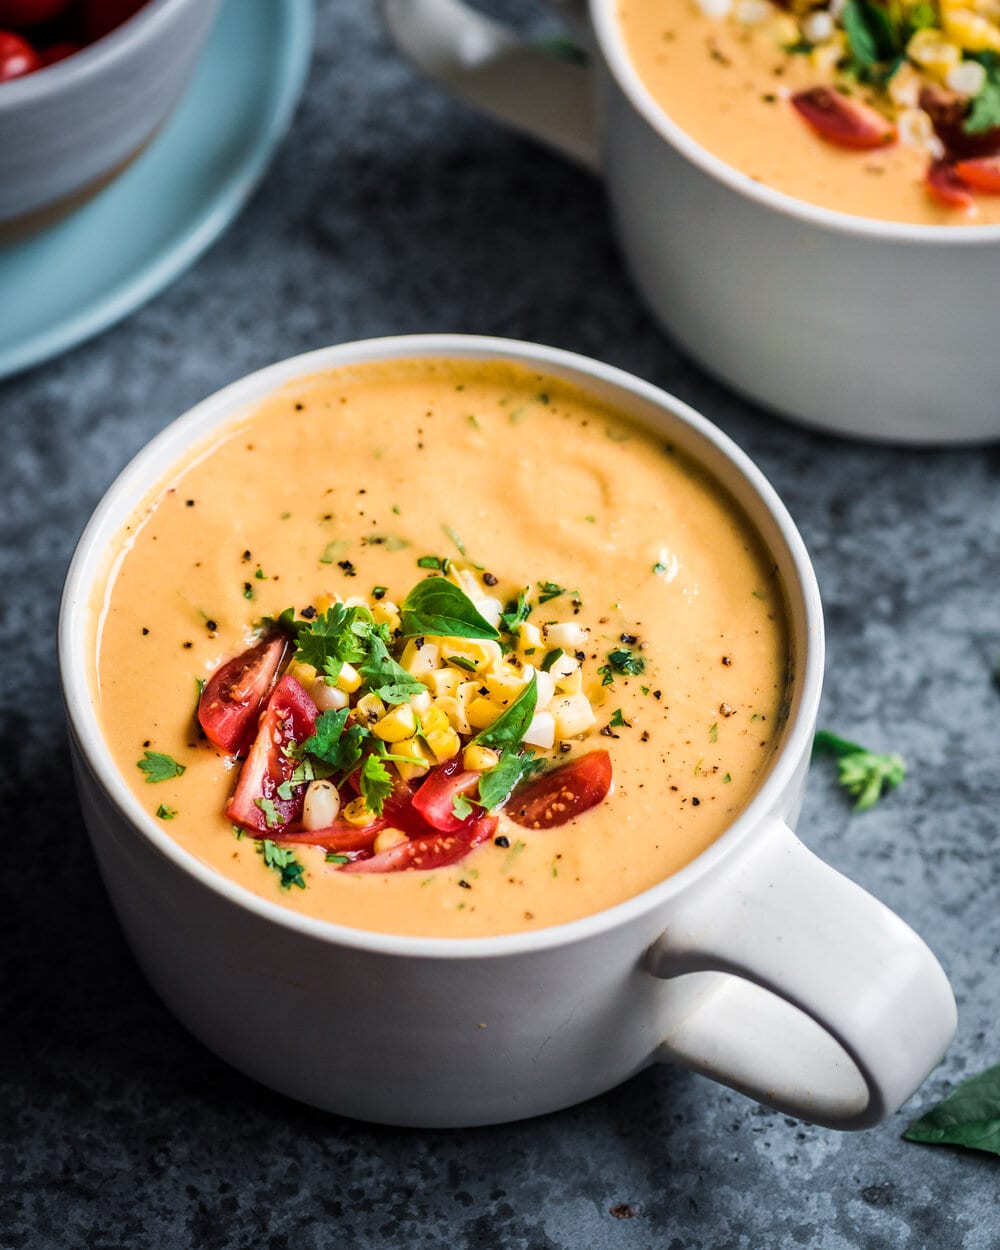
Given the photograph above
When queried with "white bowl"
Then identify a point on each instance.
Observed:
(67, 129)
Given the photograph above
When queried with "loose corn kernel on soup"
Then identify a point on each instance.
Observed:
(439, 647)
(884, 110)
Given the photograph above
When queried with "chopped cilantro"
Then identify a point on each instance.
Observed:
(375, 784)
(282, 860)
(460, 807)
(985, 111)
(863, 773)
(618, 720)
(334, 639)
(463, 662)
(331, 744)
(713, 732)
(333, 550)
(453, 535)
(550, 590)
(389, 680)
(166, 813)
(431, 562)
(332, 857)
(550, 658)
(272, 817)
(627, 662)
(160, 767)
(515, 613)
(659, 568)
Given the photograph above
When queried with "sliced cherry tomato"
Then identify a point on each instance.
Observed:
(17, 57)
(945, 185)
(290, 716)
(30, 12)
(558, 796)
(948, 110)
(435, 799)
(436, 850)
(982, 173)
(340, 837)
(231, 700)
(100, 17)
(843, 121)
(59, 51)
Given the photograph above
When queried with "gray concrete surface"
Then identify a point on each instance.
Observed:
(388, 209)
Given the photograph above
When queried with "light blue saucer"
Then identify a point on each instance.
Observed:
(104, 260)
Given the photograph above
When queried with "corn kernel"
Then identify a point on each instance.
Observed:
(505, 684)
(563, 667)
(490, 610)
(567, 635)
(545, 688)
(418, 758)
(572, 683)
(397, 725)
(573, 715)
(419, 660)
(483, 712)
(304, 674)
(434, 718)
(784, 30)
(542, 731)
(327, 698)
(483, 653)
(369, 709)
(967, 78)
(904, 87)
(529, 638)
(818, 27)
(827, 56)
(386, 613)
(444, 743)
(477, 759)
(387, 838)
(442, 681)
(321, 806)
(349, 678)
(970, 31)
(325, 602)
(356, 813)
(421, 702)
(456, 713)
(929, 49)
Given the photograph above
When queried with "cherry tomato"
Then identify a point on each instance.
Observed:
(945, 185)
(435, 850)
(256, 805)
(100, 17)
(843, 121)
(982, 173)
(59, 51)
(230, 702)
(17, 57)
(340, 837)
(948, 111)
(435, 798)
(565, 792)
(30, 12)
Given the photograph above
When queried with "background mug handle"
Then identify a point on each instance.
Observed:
(496, 71)
(858, 1011)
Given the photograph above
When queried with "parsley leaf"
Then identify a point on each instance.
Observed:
(282, 860)
(272, 816)
(969, 1116)
(331, 744)
(166, 813)
(498, 783)
(985, 111)
(389, 680)
(863, 773)
(334, 639)
(375, 784)
(515, 614)
(438, 607)
(549, 590)
(160, 767)
(509, 728)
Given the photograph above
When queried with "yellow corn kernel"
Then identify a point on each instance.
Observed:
(304, 674)
(572, 683)
(827, 56)
(483, 712)
(421, 702)
(442, 681)
(444, 743)
(931, 51)
(573, 715)
(904, 87)
(419, 660)
(529, 638)
(325, 602)
(389, 837)
(970, 31)
(477, 759)
(397, 725)
(349, 678)
(369, 709)
(505, 684)
(386, 613)
(356, 813)
(418, 758)
(542, 731)
(783, 29)
(434, 718)
(465, 579)
(483, 653)
(455, 711)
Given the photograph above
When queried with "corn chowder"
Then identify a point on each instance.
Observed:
(443, 648)
(881, 108)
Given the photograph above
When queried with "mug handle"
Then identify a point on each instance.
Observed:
(858, 1010)
(488, 66)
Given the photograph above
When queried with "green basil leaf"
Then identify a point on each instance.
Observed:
(439, 608)
(498, 783)
(509, 728)
(969, 1116)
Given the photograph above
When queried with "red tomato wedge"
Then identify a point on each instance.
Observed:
(436, 850)
(945, 185)
(843, 121)
(558, 796)
(340, 837)
(982, 173)
(231, 700)
(290, 716)
(56, 52)
(17, 56)
(435, 798)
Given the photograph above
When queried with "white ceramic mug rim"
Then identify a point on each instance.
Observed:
(90, 60)
(612, 43)
(136, 480)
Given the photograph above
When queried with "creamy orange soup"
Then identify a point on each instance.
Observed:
(727, 81)
(342, 482)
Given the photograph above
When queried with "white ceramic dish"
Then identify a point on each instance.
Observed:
(757, 964)
(858, 326)
(67, 128)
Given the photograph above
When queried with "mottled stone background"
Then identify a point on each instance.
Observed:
(390, 208)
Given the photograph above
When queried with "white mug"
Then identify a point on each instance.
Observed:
(863, 327)
(757, 964)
